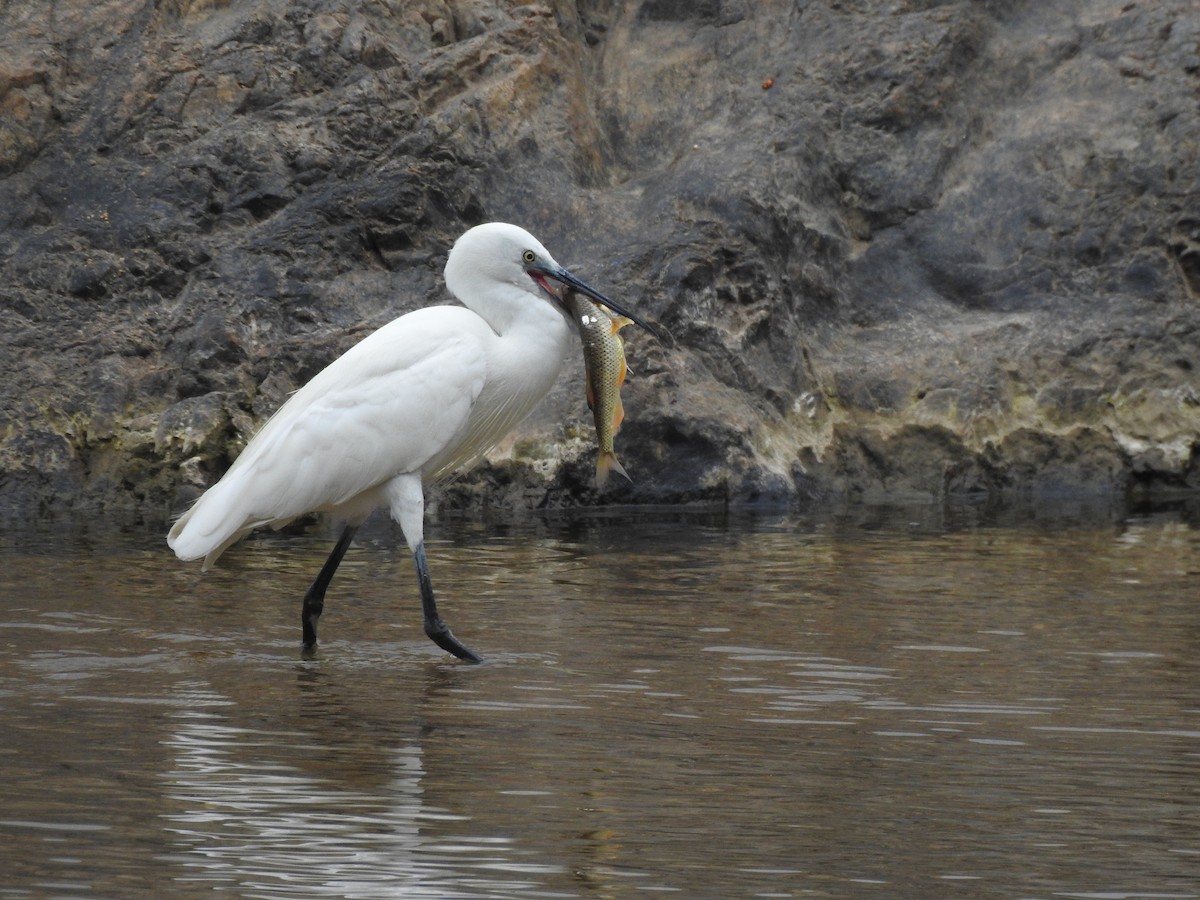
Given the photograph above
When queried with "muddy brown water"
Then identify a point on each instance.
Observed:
(875, 704)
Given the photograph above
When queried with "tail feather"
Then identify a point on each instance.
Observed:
(211, 526)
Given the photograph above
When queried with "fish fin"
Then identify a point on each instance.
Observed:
(621, 469)
(608, 462)
(591, 395)
(618, 321)
(618, 414)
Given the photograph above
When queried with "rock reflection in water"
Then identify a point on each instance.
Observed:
(893, 705)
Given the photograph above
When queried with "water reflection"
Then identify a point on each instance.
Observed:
(333, 804)
(890, 703)
(251, 820)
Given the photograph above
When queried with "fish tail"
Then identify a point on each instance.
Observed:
(606, 461)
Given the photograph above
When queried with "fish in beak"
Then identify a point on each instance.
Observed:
(604, 373)
(599, 321)
(541, 271)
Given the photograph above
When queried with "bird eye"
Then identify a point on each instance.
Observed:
(529, 256)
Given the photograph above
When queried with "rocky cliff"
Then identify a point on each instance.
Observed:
(902, 247)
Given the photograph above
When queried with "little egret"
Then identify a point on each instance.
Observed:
(424, 395)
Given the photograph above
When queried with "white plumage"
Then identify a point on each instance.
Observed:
(422, 396)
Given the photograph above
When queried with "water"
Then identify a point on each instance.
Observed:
(890, 704)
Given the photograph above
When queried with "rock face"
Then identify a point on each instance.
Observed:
(906, 248)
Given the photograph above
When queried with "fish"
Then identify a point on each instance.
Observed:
(605, 370)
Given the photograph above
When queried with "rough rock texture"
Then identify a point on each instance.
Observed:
(903, 248)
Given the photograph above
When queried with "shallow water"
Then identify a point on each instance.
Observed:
(891, 704)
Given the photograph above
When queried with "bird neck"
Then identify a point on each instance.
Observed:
(531, 348)
(539, 328)
(507, 307)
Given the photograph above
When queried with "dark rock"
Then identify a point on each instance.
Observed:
(911, 249)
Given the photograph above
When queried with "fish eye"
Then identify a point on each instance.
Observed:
(529, 256)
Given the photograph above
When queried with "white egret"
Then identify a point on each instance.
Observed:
(424, 395)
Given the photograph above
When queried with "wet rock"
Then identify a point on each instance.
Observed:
(907, 249)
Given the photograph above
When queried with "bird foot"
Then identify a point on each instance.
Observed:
(439, 633)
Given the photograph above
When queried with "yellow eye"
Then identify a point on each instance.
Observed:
(529, 256)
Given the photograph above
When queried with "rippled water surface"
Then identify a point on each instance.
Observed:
(876, 705)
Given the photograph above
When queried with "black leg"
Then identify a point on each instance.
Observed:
(314, 598)
(438, 631)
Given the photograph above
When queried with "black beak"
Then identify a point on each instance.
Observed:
(562, 275)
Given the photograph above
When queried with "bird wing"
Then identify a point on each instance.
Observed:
(387, 406)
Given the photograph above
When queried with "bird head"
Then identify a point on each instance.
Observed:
(497, 252)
